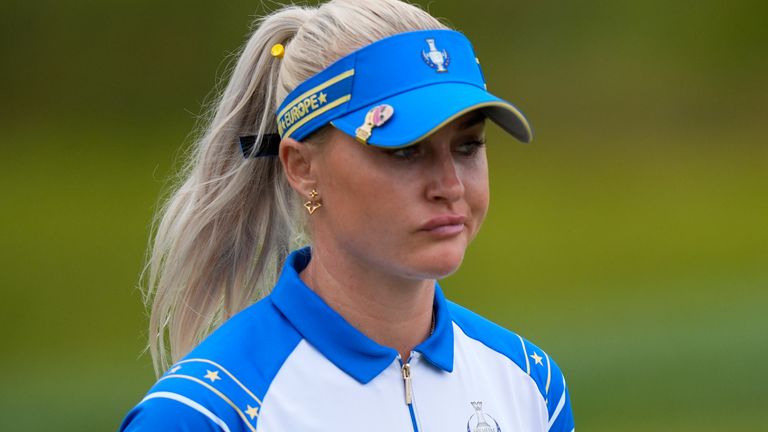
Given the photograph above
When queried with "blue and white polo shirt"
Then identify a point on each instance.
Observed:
(291, 363)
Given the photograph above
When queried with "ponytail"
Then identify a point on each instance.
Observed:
(225, 231)
(228, 227)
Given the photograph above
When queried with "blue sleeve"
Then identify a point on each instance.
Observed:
(551, 383)
(559, 402)
(173, 414)
(564, 421)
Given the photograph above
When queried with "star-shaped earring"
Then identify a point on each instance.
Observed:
(313, 203)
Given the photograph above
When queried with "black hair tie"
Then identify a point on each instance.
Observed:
(267, 147)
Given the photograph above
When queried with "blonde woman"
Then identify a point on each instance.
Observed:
(362, 124)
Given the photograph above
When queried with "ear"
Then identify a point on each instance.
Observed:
(297, 159)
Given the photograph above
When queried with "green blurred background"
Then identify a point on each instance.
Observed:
(629, 240)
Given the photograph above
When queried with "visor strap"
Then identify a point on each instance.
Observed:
(267, 146)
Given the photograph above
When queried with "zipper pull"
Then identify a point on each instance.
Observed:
(407, 380)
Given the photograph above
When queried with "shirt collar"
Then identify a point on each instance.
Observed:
(341, 343)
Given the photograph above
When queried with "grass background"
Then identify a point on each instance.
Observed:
(629, 240)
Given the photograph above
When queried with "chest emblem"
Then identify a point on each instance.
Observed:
(434, 58)
(480, 421)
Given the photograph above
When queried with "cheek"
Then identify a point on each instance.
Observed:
(478, 196)
(355, 199)
(346, 200)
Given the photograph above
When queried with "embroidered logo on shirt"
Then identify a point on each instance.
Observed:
(478, 422)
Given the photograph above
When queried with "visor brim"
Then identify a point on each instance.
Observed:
(420, 112)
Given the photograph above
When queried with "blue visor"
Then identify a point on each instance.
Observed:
(397, 91)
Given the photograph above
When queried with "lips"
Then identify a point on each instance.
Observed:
(447, 223)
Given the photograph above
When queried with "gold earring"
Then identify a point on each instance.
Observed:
(313, 204)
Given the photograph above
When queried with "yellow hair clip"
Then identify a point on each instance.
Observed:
(278, 50)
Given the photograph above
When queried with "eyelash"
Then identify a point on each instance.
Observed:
(474, 146)
(413, 150)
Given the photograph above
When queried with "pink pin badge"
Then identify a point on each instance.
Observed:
(375, 117)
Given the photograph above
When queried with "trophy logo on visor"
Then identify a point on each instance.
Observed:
(434, 58)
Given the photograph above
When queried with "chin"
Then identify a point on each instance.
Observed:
(438, 263)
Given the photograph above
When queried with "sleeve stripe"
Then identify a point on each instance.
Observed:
(559, 408)
(226, 372)
(190, 403)
(217, 392)
(525, 353)
(549, 376)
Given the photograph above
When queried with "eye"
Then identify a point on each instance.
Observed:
(405, 152)
(469, 148)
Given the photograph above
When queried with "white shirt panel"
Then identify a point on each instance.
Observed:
(480, 374)
(311, 394)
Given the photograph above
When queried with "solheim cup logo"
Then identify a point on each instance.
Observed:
(477, 422)
(435, 59)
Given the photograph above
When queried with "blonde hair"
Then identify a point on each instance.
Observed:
(228, 225)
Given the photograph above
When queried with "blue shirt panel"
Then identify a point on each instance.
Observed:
(228, 373)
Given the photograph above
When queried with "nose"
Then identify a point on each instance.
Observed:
(445, 179)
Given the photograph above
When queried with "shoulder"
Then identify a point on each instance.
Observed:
(526, 356)
(221, 383)
(505, 342)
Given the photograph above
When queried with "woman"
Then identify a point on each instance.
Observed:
(362, 122)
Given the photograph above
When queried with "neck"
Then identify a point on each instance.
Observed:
(394, 312)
